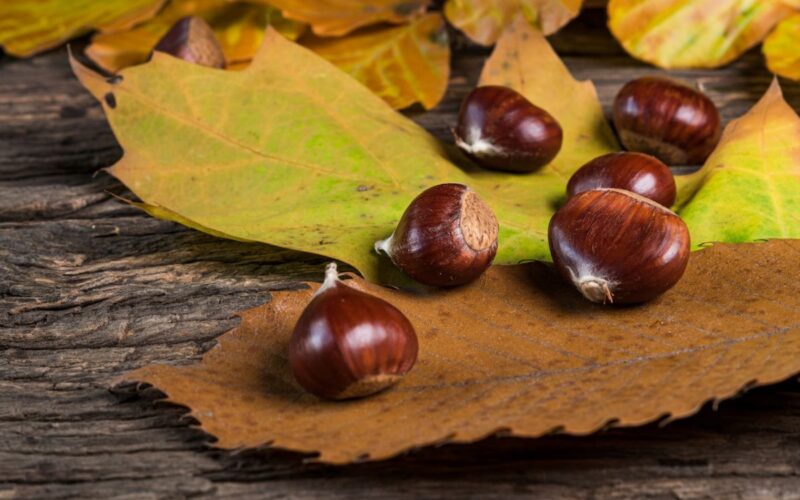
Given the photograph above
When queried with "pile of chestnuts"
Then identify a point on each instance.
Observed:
(615, 238)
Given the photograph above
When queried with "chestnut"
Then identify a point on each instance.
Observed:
(349, 344)
(192, 40)
(618, 247)
(667, 119)
(446, 237)
(500, 129)
(639, 173)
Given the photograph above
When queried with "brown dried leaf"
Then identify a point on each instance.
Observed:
(402, 64)
(517, 351)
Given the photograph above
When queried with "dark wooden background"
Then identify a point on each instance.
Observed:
(91, 288)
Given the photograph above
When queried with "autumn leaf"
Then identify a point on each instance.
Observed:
(28, 27)
(239, 27)
(749, 189)
(517, 352)
(782, 48)
(403, 65)
(339, 17)
(483, 21)
(295, 153)
(691, 34)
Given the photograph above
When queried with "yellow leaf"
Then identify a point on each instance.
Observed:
(339, 17)
(29, 26)
(403, 64)
(782, 48)
(692, 34)
(239, 27)
(483, 21)
(749, 189)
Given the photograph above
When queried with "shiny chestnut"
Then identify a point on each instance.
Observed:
(618, 247)
(192, 40)
(500, 129)
(639, 173)
(446, 237)
(667, 119)
(349, 344)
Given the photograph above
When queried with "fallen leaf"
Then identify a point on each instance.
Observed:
(749, 189)
(782, 48)
(28, 27)
(295, 153)
(483, 21)
(692, 34)
(516, 352)
(339, 17)
(403, 65)
(239, 27)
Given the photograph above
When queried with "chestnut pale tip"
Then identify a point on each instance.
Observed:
(475, 144)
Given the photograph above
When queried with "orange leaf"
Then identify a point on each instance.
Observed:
(239, 27)
(483, 21)
(403, 64)
(782, 48)
(517, 351)
(339, 17)
(694, 34)
(28, 27)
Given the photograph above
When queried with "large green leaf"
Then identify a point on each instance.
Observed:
(295, 153)
(749, 189)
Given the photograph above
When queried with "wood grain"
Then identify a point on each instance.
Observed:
(90, 288)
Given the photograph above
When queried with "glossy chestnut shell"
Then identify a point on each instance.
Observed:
(618, 247)
(349, 344)
(446, 237)
(639, 173)
(192, 40)
(500, 129)
(667, 119)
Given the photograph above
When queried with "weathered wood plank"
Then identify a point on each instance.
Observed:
(91, 288)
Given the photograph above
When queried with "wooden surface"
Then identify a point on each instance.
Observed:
(90, 288)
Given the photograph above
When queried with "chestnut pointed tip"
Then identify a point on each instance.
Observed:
(596, 290)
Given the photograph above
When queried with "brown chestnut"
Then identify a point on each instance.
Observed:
(618, 247)
(500, 129)
(639, 173)
(667, 119)
(446, 237)
(349, 344)
(192, 40)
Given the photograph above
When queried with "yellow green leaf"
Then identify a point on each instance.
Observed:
(688, 34)
(483, 21)
(239, 27)
(782, 48)
(749, 189)
(403, 64)
(31, 26)
(295, 153)
(339, 17)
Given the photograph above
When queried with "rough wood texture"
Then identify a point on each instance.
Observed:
(90, 288)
